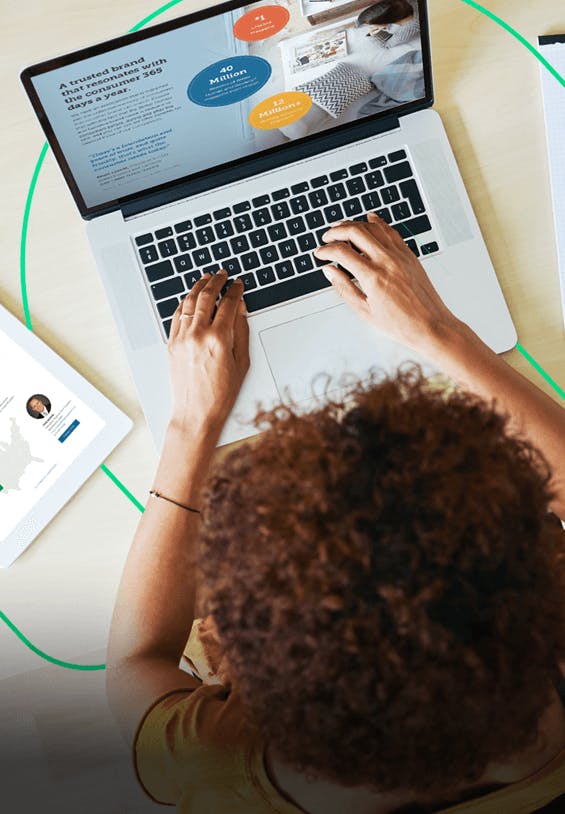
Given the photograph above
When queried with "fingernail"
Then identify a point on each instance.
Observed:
(328, 272)
(223, 271)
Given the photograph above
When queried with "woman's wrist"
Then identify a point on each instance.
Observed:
(445, 344)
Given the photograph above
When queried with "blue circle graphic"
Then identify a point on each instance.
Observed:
(229, 81)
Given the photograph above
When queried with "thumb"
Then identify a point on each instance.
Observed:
(346, 289)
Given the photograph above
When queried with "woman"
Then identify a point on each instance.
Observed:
(385, 579)
(391, 23)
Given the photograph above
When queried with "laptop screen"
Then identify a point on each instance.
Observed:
(206, 91)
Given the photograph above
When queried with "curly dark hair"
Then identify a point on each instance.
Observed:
(388, 585)
(385, 12)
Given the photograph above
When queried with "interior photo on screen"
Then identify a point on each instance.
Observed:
(219, 89)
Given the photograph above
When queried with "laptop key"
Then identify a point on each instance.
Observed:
(299, 205)
(374, 179)
(184, 226)
(398, 172)
(371, 201)
(167, 326)
(399, 155)
(192, 278)
(211, 269)
(304, 263)
(315, 219)
(258, 238)
(284, 270)
(413, 246)
(410, 191)
(356, 185)
(401, 211)
(429, 248)
(161, 234)
(384, 214)
(167, 248)
(416, 226)
(266, 276)
(375, 163)
(239, 244)
(148, 255)
(249, 281)
(224, 229)
(337, 192)
(186, 242)
(159, 271)
(357, 169)
(318, 198)
(296, 226)
(168, 288)
(288, 290)
(182, 262)
(280, 210)
(338, 175)
(201, 257)
(320, 181)
(222, 214)
(232, 266)
(167, 308)
(244, 206)
(142, 240)
(250, 261)
(390, 195)
(269, 254)
(262, 217)
(277, 231)
(205, 236)
(242, 223)
(288, 248)
(261, 200)
(334, 213)
(203, 220)
(221, 251)
(352, 207)
(306, 243)
(303, 186)
(279, 194)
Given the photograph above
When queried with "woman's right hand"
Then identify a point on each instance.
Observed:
(395, 294)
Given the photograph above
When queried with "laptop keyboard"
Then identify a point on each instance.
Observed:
(268, 241)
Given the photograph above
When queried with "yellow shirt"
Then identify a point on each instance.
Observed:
(194, 750)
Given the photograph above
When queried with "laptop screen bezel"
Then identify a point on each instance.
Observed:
(311, 143)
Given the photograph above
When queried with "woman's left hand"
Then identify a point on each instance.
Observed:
(208, 354)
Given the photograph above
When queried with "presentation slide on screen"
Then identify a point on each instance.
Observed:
(43, 429)
(220, 89)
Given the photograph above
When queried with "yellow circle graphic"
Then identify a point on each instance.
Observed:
(279, 110)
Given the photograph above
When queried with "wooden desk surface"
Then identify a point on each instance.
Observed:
(61, 591)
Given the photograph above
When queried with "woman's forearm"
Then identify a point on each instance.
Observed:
(155, 603)
(465, 358)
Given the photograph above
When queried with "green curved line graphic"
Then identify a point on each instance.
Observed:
(23, 283)
(519, 37)
(67, 664)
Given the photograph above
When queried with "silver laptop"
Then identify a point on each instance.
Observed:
(234, 137)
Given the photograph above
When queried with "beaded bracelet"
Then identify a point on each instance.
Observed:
(170, 500)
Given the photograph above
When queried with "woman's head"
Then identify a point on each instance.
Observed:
(385, 12)
(387, 586)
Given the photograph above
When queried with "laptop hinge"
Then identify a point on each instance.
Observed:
(256, 166)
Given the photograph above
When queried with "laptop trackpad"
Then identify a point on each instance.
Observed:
(334, 341)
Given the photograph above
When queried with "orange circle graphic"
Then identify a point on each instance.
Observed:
(261, 23)
(279, 110)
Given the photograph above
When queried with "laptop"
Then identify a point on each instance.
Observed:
(235, 137)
